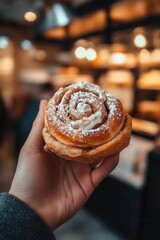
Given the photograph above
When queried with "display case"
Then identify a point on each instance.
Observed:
(128, 200)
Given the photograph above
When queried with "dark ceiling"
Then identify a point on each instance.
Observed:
(14, 9)
(12, 17)
(12, 12)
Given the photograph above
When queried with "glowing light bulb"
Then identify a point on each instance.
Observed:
(118, 58)
(4, 42)
(80, 52)
(30, 16)
(91, 54)
(140, 41)
(26, 44)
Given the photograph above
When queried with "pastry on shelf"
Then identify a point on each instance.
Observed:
(149, 108)
(90, 23)
(85, 124)
(117, 77)
(149, 80)
(120, 84)
(126, 11)
(144, 58)
(145, 127)
(149, 58)
(155, 57)
(121, 59)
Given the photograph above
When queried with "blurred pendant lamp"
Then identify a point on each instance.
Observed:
(58, 15)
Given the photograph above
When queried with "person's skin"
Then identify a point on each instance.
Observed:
(55, 188)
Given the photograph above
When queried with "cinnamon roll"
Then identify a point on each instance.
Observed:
(85, 124)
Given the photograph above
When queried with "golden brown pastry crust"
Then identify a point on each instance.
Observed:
(85, 124)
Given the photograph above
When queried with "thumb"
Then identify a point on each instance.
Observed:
(101, 172)
(35, 138)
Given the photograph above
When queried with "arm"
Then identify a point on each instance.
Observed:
(54, 188)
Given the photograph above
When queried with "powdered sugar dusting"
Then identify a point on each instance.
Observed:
(83, 109)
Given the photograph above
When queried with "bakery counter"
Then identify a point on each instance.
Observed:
(135, 180)
(144, 127)
(133, 162)
(149, 226)
(118, 205)
(120, 201)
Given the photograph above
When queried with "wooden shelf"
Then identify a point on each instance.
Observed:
(147, 128)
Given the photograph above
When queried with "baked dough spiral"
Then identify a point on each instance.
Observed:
(85, 124)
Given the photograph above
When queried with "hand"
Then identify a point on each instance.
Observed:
(55, 188)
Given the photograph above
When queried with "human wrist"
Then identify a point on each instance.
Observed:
(36, 206)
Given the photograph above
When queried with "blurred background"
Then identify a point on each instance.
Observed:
(46, 44)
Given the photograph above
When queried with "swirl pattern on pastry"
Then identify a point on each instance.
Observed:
(82, 117)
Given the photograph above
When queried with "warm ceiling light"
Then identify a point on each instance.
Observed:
(30, 16)
(118, 58)
(140, 41)
(80, 52)
(91, 54)
(26, 44)
(58, 15)
(4, 42)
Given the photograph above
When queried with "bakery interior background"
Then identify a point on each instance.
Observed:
(45, 44)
